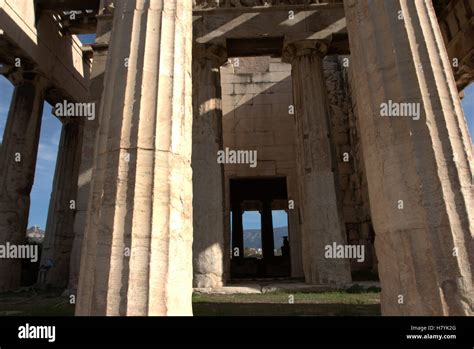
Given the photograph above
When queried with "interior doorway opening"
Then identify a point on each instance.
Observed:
(255, 208)
(280, 232)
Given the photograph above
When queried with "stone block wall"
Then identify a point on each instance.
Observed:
(257, 115)
(350, 172)
(256, 102)
(256, 96)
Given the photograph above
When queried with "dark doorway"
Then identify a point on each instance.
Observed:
(255, 253)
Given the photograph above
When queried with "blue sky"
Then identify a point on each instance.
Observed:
(87, 38)
(251, 219)
(47, 153)
(49, 139)
(468, 106)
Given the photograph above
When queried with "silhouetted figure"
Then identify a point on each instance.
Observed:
(285, 249)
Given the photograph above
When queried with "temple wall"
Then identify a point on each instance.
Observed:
(257, 100)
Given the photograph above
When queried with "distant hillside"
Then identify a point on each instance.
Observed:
(35, 234)
(252, 237)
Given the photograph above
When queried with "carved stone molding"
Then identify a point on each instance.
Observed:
(204, 4)
(215, 53)
(304, 47)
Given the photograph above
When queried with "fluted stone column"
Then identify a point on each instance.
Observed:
(100, 48)
(237, 231)
(419, 168)
(59, 233)
(321, 217)
(137, 252)
(268, 243)
(18, 153)
(208, 175)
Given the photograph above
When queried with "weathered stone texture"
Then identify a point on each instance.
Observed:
(322, 219)
(208, 186)
(90, 133)
(59, 233)
(253, 3)
(425, 249)
(257, 107)
(457, 27)
(18, 154)
(351, 183)
(137, 257)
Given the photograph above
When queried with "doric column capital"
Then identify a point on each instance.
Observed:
(304, 48)
(19, 77)
(212, 52)
(16, 75)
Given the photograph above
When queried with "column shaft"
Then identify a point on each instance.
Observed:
(268, 245)
(321, 217)
(137, 255)
(100, 47)
(59, 233)
(419, 165)
(18, 153)
(237, 231)
(208, 175)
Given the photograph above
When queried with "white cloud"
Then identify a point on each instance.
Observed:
(47, 152)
